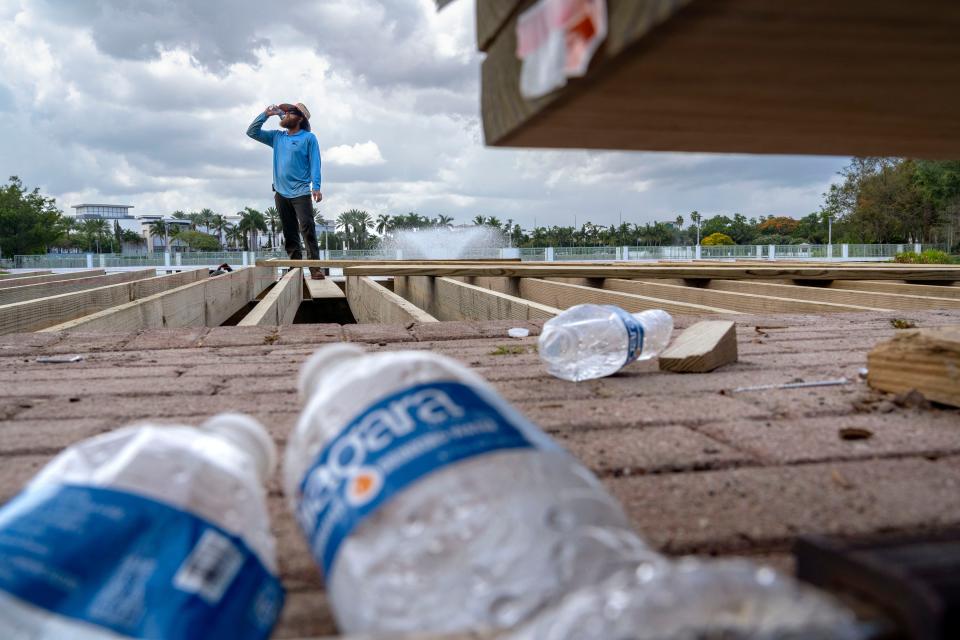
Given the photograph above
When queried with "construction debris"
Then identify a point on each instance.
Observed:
(703, 347)
(923, 360)
(794, 385)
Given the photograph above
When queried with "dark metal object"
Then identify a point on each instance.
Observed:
(914, 580)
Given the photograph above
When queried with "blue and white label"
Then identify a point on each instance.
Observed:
(394, 443)
(634, 333)
(138, 567)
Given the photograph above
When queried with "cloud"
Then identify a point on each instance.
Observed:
(361, 154)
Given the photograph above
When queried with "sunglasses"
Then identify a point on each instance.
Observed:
(295, 113)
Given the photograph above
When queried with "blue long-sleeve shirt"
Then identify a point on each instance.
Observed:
(296, 158)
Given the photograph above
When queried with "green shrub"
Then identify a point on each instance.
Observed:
(929, 256)
(717, 239)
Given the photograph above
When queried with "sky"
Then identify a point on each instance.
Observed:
(147, 103)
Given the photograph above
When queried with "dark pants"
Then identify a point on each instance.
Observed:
(296, 218)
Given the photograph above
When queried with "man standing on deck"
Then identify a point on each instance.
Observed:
(296, 164)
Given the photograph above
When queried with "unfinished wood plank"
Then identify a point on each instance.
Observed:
(56, 287)
(898, 287)
(336, 264)
(51, 277)
(448, 299)
(509, 286)
(647, 272)
(869, 299)
(371, 302)
(208, 302)
(702, 347)
(280, 305)
(28, 274)
(325, 289)
(927, 360)
(33, 315)
(563, 296)
(747, 302)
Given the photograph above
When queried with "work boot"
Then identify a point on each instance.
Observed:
(316, 273)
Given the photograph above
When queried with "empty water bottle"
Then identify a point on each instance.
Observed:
(592, 341)
(146, 531)
(420, 488)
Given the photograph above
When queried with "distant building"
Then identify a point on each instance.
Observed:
(111, 211)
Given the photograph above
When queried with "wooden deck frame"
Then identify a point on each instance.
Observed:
(29, 274)
(51, 277)
(562, 296)
(371, 302)
(279, 306)
(449, 299)
(206, 303)
(898, 287)
(561, 270)
(10, 295)
(874, 299)
(33, 315)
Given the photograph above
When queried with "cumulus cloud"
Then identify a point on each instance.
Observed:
(147, 102)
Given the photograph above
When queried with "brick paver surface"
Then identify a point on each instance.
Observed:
(700, 467)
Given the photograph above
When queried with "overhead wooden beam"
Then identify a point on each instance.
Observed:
(448, 299)
(371, 303)
(875, 300)
(561, 270)
(56, 287)
(207, 303)
(33, 315)
(280, 304)
(51, 277)
(28, 274)
(898, 287)
(747, 301)
(563, 296)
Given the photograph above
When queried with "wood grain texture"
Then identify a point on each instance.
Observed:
(702, 347)
(927, 360)
(43, 290)
(492, 15)
(280, 305)
(754, 76)
(898, 287)
(860, 300)
(746, 302)
(645, 272)
(323, 289)
(33, 315)
(52, 277)
(208, 302)
(371, 302)
(564, 296)
(448, 299)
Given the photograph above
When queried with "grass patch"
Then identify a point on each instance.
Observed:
(930, 256)
(509, 350)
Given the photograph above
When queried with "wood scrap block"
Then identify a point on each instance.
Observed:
(926, 360)
(702, 347)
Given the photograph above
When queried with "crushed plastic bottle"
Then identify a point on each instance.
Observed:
(418, 487)
(147, 531)
(592, 341)
(692, 599)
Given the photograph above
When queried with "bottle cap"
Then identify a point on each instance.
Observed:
(249, 435)
(316, 366)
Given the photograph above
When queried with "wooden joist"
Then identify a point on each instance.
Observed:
(925, 360)
(898, 287)
(370, 302)
(746, 302)
(33, 315)
(873, 300)
(563, 296)
(448, 299)
(56, 287)
(51, 277)
(701, 347)
(207, 303)
(562, 270)
(28, 274)
(279, 306)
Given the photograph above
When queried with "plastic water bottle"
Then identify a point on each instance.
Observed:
(420, 488)
(148, 531)
(592, 341)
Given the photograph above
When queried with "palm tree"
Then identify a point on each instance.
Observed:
(273, 219)
(695, 218)
(195, 219)
(157, 228)
(383, 223)
(494, 221)
(206, 217)
(235, 236)
(251, 221)
(679, 222)
(219, 224)
(443, 221)
(479, 221)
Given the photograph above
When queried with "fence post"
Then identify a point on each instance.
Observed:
(166, 258)
(844, 250)
(399, 254)
(243, 257)
(772, 248)
(89, 261)
(179, 259)
(625, 253)
(917, 247)
(548, 255)
(829, 252)
(696, 253)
